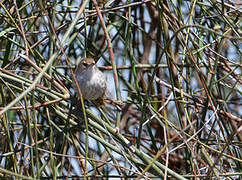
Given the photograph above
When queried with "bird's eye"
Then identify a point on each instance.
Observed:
(85, 64)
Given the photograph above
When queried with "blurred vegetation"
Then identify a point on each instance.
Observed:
(174, 65)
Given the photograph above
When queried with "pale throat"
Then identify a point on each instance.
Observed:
(90, 71)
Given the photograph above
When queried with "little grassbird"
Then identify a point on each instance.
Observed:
(91, 81)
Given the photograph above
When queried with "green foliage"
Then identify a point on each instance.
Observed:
(173, 70)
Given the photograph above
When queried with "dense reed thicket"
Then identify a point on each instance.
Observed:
(173, 70)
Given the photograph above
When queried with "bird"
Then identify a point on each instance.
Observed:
(91, 81)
